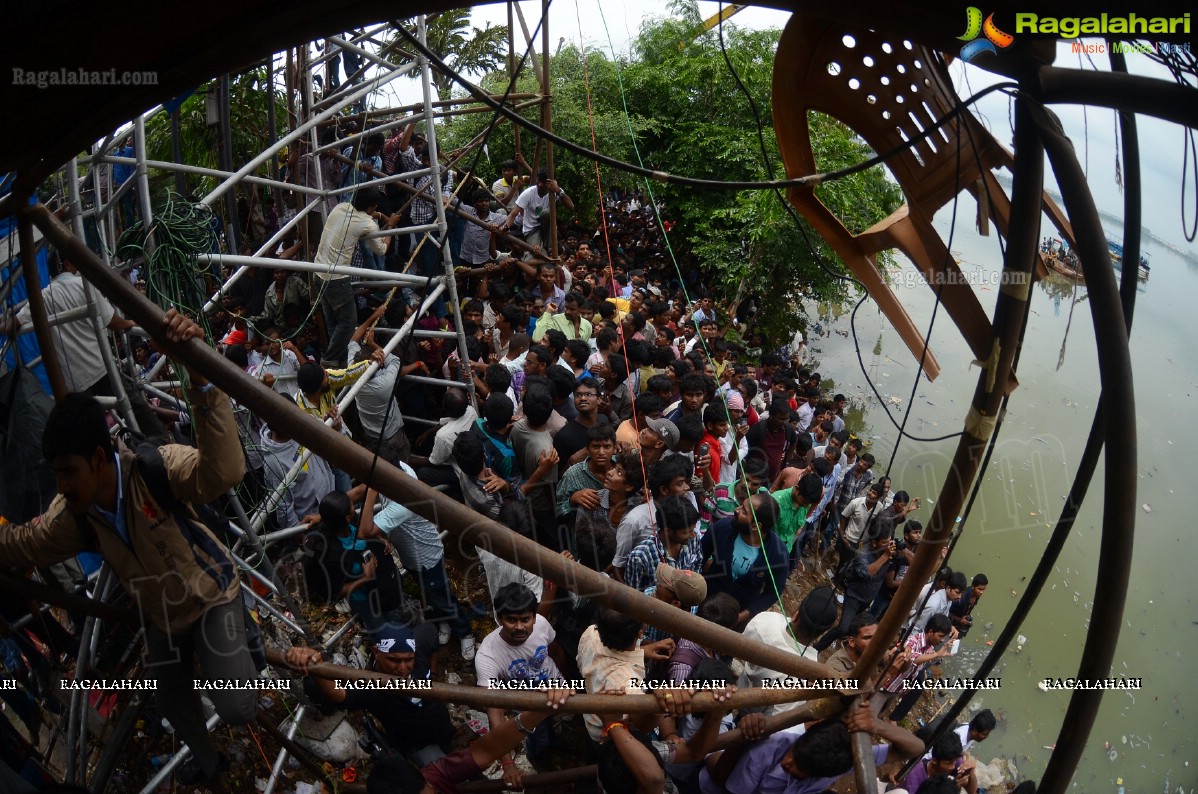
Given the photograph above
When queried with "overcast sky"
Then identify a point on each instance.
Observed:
(1161, 142)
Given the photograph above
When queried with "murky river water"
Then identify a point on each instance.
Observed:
(1146, 739)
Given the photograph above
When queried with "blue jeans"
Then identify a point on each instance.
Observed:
(537, 745)
(340, 318)
(441, 600)
(429, 264)
(370, 259)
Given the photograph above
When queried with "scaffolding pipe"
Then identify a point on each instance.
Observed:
(252, 166)
(114, 374)
(281, 758)
(266, 247)
(178, 758)
(143, 182)
(165, 165)
(442, 225)
(339, 633)
(314, 267)
(517, 700)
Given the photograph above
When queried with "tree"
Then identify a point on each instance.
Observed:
(200, 143)
(689, 117)
(468, 50)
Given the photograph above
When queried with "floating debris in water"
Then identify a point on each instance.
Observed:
(1147, 508)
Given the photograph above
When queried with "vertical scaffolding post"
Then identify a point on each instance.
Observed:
(547, 123)
(114, 373)
(451, 286)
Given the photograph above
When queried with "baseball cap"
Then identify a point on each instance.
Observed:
(819, 610)
(395, 638)
(666, 429)
(688, 586)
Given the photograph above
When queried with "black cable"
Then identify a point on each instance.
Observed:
(708, 184)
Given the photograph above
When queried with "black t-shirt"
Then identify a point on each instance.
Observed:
(409, 722)
(571, 438)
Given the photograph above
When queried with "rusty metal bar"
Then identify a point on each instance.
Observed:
(37, 309)
(1009, 314)
(533, 700)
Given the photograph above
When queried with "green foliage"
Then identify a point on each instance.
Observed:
(466, 49)
(689, 117)
(201, 143)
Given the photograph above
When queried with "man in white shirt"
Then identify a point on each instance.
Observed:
(347, 224)
(280, 366)
(518, 650)
(76, 342)
(532, 207)
(437, 468)
(797, 635)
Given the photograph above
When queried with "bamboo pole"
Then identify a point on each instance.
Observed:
(534, 700)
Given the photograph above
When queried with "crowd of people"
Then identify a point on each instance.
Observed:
(602, 405)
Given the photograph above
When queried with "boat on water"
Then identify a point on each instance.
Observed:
(1059, 257)
(1117, 259)
(1063, 260)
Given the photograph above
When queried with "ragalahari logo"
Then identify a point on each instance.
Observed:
(974, 27)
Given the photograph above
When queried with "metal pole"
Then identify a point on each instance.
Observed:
(1009, 315)
(442, 226)
(472, 529)
(281, 759)
(252, 166)
(217, 172)
(315, 267)
(143, 182)
(114, 373)
(177, 152)
(547, 123)
(233, 230)
(279, 235)
(37, 308)
(271, 130)
(178, 758)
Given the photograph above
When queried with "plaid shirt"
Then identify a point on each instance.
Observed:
(423, 210)
(654, 634)
(852, 486)
(641, 571)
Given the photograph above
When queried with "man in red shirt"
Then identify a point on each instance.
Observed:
(715, 422)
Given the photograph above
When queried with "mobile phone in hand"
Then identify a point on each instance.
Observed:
(367, 555)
